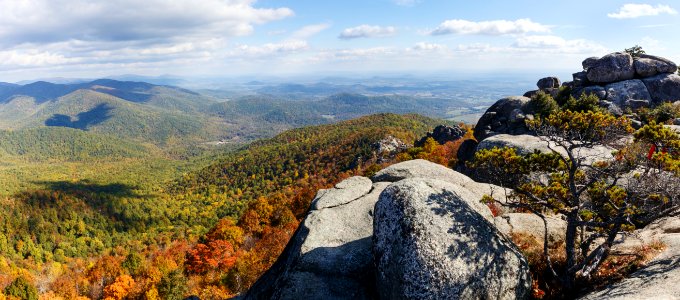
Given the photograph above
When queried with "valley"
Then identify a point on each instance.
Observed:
(100, 172)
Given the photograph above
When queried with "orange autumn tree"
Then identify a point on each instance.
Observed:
(215, 255)
(120, 288)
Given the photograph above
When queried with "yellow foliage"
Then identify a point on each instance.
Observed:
(152, 294)
(48, 296)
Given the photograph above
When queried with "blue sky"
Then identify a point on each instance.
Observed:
(224, 38)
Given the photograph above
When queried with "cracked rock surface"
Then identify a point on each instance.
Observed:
(329, 257)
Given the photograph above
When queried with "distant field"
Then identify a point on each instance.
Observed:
(467, 118)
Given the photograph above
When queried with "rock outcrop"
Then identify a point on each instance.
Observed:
(442, 134)
(628, 93)
(424, 169)
(389, 145)
(649, 65)
(612, 67)
(532, 225)
(659, 278)
(619, 80)
(616, 78)
(431, 241)
(663, 87)
(505, 116)
(548, 83)
(525, 144)
(329, 257)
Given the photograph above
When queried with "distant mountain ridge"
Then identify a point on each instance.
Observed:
(166, 115)
(43, 91)
(162, 115)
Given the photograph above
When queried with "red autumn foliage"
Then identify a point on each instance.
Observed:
(215, 255)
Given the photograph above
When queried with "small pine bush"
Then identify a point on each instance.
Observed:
(542, 104)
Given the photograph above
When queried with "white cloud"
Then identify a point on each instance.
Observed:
(309, 31)
(478, 48)
(126, 35)
(46, 21)
(630, 11)
(30, 58)
(496, 27)
(363, 52)
(406, 2)
(271, 48)
(551, 43)
(422, 46)
(367, 31)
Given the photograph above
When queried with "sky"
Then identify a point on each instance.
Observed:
(231, 38)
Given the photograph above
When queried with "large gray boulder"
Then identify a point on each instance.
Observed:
(617, 66)
(675, 128)
(532, 225)
(329, 257)
(580, 79)
(663, 88)
(650, 65)
(431, 242)
(589, 62)
(344, 192)
(624, 93)
(497, 119)
(443, 134)
(596, 90)
(548, 83)
(466, 151)
(525, 144)
(420, 168)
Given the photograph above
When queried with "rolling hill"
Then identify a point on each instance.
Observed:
(185, 122)
(140, 111)
(65, 144)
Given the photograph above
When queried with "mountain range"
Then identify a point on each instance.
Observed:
(171, 117)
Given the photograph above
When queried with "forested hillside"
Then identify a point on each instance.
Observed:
(59, 143)
(183, 121)
(121, 220)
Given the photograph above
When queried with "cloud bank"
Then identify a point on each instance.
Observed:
(496, 27)
(632, 11)
(367, 31)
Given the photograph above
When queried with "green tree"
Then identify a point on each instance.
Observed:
(173, 286)
(599, 199)
(542, 104)
(585, 102)
(22, 289)
(635, 51)
(133, 263)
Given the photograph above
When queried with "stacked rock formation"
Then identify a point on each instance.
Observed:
(619, 80)
(623, 81)
(416, 230)
(442, 134)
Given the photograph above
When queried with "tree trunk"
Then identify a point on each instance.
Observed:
(570, 248)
